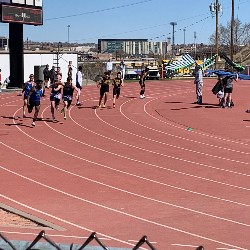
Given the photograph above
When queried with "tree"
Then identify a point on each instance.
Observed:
(241, 34)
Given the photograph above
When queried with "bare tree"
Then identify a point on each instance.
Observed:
(241, 34)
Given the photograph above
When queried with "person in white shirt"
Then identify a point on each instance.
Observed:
(78, 85)
(109, 66)
(198, 81)
(123, 69)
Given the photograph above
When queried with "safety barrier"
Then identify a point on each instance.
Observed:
(92, 237)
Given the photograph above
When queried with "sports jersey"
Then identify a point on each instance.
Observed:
(68, 90)
(28, 87)
(55, 93)
(117, 82)
(36, 95)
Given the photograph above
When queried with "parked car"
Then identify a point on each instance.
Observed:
(153, 73)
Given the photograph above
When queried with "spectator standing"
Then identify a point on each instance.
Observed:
(46, 76)
(198, 81)
(109, 66)
(78, 85)
(70, 72)
(59, 72)
(52, 75)
(228, 89)
(122, 69)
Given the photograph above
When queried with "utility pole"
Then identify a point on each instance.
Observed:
(232, 33)
(195, 44)
(216, 8)
(68, 33)
(173, 24)
(184, 37)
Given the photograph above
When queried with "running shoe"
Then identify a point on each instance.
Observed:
(33, 124)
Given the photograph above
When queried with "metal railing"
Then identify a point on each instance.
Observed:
(93, 236)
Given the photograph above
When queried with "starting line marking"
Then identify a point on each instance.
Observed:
(181, 245)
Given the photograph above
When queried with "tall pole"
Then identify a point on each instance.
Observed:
(68, 33)
(217, 31)
(195, 44)
(173, 24)
(232, 33)
(184, 37)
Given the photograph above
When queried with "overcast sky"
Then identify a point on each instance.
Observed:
(148, 19)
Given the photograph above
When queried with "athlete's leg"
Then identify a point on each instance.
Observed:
(52, 108)
(37, 108)
(25, 101)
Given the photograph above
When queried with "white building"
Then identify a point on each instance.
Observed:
(35, 62)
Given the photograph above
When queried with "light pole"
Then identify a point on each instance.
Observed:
(232, 33)
(195, 44)
(68, 33)
(173, 24)
(184, 37)
(59, 45)
(216, 8)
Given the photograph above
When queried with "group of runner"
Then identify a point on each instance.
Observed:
(34, 90)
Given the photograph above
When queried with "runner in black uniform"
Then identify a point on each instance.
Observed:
(55, 95)
(68, 90)
(103, 84)
(143, 76)
(117, 83)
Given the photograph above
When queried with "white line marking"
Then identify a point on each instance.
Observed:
(107, 208)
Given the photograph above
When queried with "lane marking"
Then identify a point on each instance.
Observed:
(109, 209)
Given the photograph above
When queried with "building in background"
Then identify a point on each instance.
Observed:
(131, 47)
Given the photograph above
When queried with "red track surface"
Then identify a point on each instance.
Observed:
(134, 170)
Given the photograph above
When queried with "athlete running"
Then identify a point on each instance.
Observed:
(68, 90)
(117, 83)
(34, 98)
(55, 95)
(26, 89)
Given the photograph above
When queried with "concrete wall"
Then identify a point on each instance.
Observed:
(34, 61)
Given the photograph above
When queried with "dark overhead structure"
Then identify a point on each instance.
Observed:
(17, 13)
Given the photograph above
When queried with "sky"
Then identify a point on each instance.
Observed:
(90, 20)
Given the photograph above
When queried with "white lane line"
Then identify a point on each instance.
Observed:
(195, 132)
(68, 222)
(106, 208)
(170, 145)
(144, 163)
(182, 245)
(183, 138)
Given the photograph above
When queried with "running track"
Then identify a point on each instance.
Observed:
(134, 170)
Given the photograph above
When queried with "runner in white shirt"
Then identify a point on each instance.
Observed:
(79, 85)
